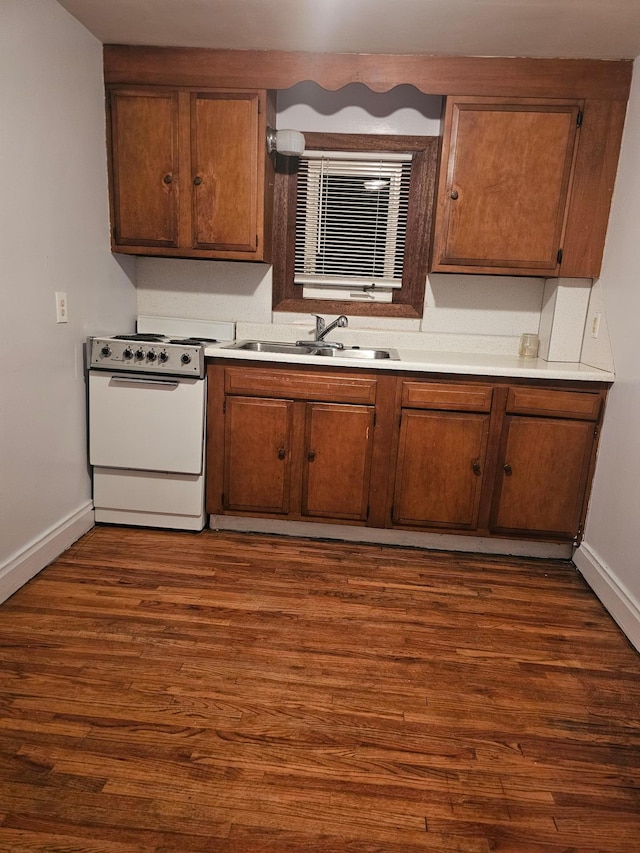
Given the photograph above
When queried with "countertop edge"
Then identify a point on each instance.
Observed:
(423, 361)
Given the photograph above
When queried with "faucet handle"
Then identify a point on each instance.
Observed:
(320, 323)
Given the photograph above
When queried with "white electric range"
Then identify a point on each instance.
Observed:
(147, 419)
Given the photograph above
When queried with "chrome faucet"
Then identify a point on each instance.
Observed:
(322, 330)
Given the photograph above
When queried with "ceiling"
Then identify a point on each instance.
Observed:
(595, 29)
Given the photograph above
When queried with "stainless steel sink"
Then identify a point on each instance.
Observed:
(358, 353)
(361, 353)
(272, 346)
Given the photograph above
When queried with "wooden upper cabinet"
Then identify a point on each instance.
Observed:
(224, 154)
(189, 172)
(145, 170)
(528, 181)
(504, 184)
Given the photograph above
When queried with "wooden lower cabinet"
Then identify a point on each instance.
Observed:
(336, 466)
(260, 444)
(257, 454)
(291, 457)
(441, 459)
(494, 457)
(542, 476)
(545, 460)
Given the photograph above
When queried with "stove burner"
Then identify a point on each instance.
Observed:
(140, 336)
(193, 341)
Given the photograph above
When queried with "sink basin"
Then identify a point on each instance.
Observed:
(272, 346)
(361, 353)
(358, 352)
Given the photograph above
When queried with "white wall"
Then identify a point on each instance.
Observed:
(610, 554)
(54, 236)
(356, 109)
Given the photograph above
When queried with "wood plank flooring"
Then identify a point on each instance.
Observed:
(223, 692)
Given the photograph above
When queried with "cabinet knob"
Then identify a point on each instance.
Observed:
(475, 467)
(508, 470)
(197, 180)
(311, 455)
(282, 453)
(167, 179)
(454, 194)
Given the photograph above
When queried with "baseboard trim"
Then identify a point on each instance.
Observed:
(23, 566)
(379, 536)
(614, 595)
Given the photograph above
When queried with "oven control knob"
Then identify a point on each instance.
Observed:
(163, 356)
(185, 358)
(139, 354)
(127, 353)
(105, 351)
(151, 355)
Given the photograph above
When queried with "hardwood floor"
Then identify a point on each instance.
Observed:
(223, 692)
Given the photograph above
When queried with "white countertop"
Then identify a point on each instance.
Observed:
(425, 361)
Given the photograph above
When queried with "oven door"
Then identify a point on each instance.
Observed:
(146, 423)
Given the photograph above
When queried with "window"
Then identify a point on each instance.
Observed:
(353, 225)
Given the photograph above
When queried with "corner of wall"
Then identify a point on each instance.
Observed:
(623, 607)
(39, 553)
(597, 351)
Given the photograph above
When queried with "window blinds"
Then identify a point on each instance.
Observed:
(351, 219)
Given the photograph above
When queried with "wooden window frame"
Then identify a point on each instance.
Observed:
(408, 301)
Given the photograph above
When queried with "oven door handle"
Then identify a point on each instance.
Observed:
(143, 380)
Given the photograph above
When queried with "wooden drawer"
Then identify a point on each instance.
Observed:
(447, 396)
(299, 385)
(582, 405)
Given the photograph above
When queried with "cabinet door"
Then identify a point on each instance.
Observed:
(144, 167)
(543, 473)
(224, 160)
(337, 460)
(504, 184)
(257, 454)
(440, 467)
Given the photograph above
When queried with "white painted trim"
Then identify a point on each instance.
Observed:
(140, 518)
(614, 595)
(405, 538)
(20, 568)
